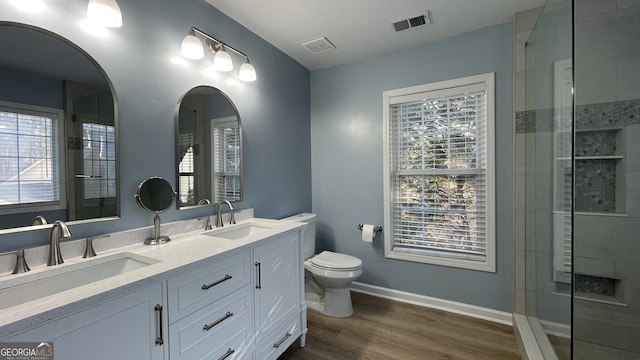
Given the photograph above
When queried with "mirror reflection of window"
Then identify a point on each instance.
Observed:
(29, 157)
(187, 157)
(226, 158)
(93, 168)
(99, 160)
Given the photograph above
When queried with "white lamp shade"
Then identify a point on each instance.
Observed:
(222, 61)
(247, 72)
(105, 12)
(192, 47)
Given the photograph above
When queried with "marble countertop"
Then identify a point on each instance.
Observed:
(185, 252)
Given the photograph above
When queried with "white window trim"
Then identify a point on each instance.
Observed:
(432, 257)
(61, 204)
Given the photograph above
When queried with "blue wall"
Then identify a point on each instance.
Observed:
(29, 88)
(137, 58)
(347, 163)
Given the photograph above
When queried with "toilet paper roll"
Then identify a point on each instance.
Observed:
(367, 233)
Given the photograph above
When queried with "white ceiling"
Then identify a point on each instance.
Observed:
(361, 28)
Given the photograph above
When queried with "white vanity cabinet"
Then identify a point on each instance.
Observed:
(127, 327)
(211, 311)
(244, 303)
(279, 295)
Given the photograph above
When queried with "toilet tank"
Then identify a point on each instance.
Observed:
(309, 241)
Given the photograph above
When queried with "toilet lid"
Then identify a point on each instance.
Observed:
(336, 261)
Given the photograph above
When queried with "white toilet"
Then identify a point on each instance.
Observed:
(327, 275)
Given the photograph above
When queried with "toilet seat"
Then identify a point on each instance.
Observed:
(329, 260)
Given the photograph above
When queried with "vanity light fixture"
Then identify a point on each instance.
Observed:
(222, 60)
(104, 12)
(192, 49)
(247, 72)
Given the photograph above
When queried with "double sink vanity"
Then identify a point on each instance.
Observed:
(233, 292)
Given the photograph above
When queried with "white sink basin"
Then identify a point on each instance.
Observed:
(235, 232)
(66, 277)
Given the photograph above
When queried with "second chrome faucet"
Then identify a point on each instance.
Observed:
(58, 231)
(232, 220)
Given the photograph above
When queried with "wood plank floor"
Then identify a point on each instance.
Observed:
(384, 329)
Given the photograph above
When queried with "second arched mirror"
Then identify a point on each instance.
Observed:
(209, 148)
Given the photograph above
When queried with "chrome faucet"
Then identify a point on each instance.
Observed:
(58, 231)
(39, 220)
(232, 220)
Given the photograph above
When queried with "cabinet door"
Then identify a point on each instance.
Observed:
(123, 328)
(277, 283)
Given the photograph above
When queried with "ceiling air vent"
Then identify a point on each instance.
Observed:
(320, 45)
(411, 22)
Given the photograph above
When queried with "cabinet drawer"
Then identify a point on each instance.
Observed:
(198, 288)
(235, 349)
(214, 327)
(280, 339)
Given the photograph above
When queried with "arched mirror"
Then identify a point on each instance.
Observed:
(209, 148)
(156, 195)
(58, 131)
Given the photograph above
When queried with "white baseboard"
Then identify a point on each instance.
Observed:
(556, 329)
(478, 312)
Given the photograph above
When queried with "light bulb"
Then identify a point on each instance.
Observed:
(105, 12)
(192, 47)
(247, 72)
(222, 60)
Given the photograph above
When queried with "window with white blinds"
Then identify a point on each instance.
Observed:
(439, 205)
(99, 160)
(30, 152)
(226, 159)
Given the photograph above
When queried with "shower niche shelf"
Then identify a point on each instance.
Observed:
(599, 171)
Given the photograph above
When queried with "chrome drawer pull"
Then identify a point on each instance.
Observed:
(159, 337)
(286, 336)
(225, 317)
(227, 354)
(225, 278)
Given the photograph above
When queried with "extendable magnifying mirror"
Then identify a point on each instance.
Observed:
(156, 195)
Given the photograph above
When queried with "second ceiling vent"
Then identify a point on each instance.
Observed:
(412, 21)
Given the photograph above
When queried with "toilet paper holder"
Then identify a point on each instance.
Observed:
(377, 228)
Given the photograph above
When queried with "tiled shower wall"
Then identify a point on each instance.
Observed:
(607, 196)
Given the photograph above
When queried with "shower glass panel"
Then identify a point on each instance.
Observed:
(581, 191)
(548, 179)
(606, 303)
